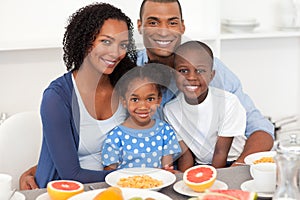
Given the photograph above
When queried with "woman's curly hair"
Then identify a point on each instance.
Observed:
(82, 30)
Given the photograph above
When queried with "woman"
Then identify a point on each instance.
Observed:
(78, 108)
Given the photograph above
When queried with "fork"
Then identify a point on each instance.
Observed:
(12, 194)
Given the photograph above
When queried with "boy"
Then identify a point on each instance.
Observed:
(210, 121)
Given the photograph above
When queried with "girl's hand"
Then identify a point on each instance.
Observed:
(171, 169)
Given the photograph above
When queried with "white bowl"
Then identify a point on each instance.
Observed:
(255, 156)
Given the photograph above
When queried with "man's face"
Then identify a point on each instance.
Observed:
(162, 27)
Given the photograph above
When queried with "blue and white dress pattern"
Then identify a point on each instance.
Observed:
(139, 148)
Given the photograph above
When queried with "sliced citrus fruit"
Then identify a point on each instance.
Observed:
(63, 189)
(111, 193)
(200, 177)
(226, 195)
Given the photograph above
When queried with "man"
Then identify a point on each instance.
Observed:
(162, 26)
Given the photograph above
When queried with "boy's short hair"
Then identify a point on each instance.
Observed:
(194, 45)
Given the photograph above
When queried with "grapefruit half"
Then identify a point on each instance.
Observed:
(63, 189)
(200, 177)
(226, 195)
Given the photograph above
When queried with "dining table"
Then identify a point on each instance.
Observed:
(232, 176)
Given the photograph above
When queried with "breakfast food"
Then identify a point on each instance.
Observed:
(264, 159)
(63, 189)
(200, 177)
(111, 193)
(142, 182)
(226, 195)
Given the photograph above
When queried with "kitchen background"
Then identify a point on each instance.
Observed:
(263, 50)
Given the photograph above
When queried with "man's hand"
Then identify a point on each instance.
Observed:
(27, 180)
(257, 142)
(186, 159)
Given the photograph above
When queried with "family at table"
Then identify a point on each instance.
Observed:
(117, 106)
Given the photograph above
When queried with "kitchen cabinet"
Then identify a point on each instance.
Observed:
(266, 60)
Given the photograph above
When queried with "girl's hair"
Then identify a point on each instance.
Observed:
(157, 73)
(84, 25)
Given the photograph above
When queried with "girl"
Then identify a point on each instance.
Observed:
(141, 141)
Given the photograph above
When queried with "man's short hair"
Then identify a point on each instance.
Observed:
(160, 1)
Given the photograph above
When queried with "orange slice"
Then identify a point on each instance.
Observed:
(111, 193)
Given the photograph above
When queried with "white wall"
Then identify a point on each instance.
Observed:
(35, 23)
(30, 47)
(24, 75)
(269, 68)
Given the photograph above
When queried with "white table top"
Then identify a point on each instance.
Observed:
(233, 177)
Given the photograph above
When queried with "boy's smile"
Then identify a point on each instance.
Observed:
(193, 74)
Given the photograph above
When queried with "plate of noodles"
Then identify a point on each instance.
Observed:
(141, 178)
(260, 157)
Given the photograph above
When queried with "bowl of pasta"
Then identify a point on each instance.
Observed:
(141, 178)
(260, 157)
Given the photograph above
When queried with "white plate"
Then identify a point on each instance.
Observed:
(249, 186)
(182, 188)
(240, 21)
(43, 196)
(18, 196)
(255, 156)
(289, 28)
(234, 28)
(167, 177)
(127, 194)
